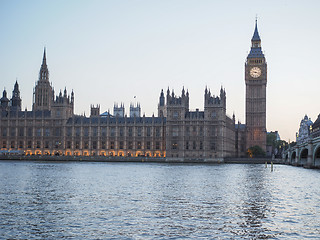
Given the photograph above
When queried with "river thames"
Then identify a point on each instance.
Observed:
(73, 200)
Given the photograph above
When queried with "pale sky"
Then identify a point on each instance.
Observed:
(111, 51)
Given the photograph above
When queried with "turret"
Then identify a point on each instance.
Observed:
(4, 101)
(162, 111)
(95, 111)
(118, 111)
(16, 100)
(135, 111)
(176, 106)
(43, 92)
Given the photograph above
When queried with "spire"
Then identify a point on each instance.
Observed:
(44, 60)
(16, 86)
(256, 51)
(256, 36)
(44, 73)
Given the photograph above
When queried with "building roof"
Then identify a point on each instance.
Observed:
(316, 124)
(256, 36)
(256, 53)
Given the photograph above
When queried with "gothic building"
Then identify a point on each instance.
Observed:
(256, 85)
(52, 128)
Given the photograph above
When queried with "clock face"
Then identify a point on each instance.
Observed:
(255, 72)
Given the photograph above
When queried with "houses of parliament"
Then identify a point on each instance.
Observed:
(52, 127)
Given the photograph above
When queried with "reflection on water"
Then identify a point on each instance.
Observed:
(45, 200)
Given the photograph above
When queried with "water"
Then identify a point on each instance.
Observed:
(44, 200)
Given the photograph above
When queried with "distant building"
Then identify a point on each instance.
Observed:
(304, 130)
(52, 128)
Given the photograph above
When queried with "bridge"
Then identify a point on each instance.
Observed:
(306, 152)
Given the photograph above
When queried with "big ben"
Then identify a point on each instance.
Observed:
(256, 84)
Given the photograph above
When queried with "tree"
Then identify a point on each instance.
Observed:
(256, 151)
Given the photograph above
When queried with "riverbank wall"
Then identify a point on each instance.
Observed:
(136, 159)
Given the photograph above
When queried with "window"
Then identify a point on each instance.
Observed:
(29, 144)
(174, 145)
(175, 114)
(121, 132)
(175, 131)
(187, 145)
(103, 144)
(111, 145)
(47, 132)
(38, 144)
(201, 145)
(130, 131)
(86, 144)
(86, 131)
(130, 145)
(148, 131)
(29, 132)
(103, 131)
(12, 144)
(138, 145)
(112, 131)
(69, 131)
(157, 145)
(148, 145)
(194, 145)
(94, 144)
(77, 145)
(121, 144)
(38, 132)
(157, 131)
(78, 131)
(57, 132)
(20, 144)
(201, 131)
(95, 131)
(46, 144)
(21, 132)
(213, 145)
(4, 144)
(4, 132)
(139, 131)
(13, 132)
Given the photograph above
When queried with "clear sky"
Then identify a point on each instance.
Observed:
(111, 51)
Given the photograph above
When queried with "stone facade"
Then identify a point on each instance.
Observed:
(256, 85)
(208, 134)
(52, 128)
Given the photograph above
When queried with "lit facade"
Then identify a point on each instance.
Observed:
(52, 128)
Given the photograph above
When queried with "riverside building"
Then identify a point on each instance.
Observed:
(52, 127)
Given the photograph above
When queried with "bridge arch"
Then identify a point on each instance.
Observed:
(293, 157)
(303, 158)
(316, 156)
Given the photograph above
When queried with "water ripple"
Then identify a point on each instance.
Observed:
(157, 201)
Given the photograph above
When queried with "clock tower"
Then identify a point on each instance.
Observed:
(256, 84)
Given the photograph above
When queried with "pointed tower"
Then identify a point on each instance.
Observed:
(4, 101)
(16, 100)
(256, 85)
(162, 111)
(43, 92)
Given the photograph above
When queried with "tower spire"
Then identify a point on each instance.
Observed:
(44, 60)
(256, 36)
(44, 72)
